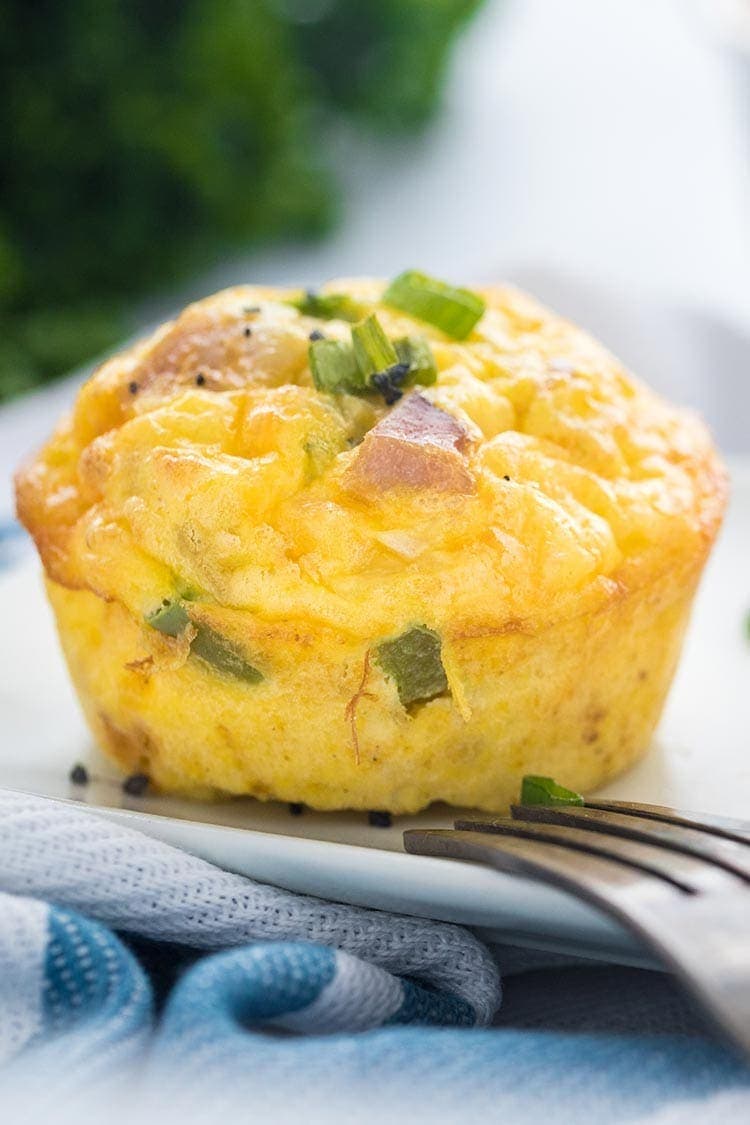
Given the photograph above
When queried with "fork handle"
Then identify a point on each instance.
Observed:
(705, 941)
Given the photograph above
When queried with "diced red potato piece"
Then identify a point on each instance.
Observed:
(416, 446)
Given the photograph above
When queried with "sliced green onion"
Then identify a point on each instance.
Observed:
(412, 661)
(373, 350)
(378, 360)
(455, 311)
(415, 351)
(545, 791)
(334, 368)
(170, 618)
(221, 654)
(329, 306)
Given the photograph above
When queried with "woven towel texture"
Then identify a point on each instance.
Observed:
(131, 883)
(269, 1016)
(23, 943)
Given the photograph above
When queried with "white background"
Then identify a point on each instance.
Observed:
(604, 138)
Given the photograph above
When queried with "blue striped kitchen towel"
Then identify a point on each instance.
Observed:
(144, 983)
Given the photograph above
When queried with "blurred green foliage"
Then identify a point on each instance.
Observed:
(142, 140)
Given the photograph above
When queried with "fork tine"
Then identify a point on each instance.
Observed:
(536, 858)
(726, 827)
(584, 873)
(687, 872)
(729, 854)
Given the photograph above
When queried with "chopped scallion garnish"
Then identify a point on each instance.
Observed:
(545, 791)
(412, 661)
(329, 306)
(170, 618)
(373, 350)
(221, 654)
(378, 360)
(371, 363)
(334, 368)
(417, 353)
(455, 311)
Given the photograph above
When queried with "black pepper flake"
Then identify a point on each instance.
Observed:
(79, 775)
(506, 477)
(389, 382)
(296, 808)
(133, 387)
(378, 819)
(316, 334)
(136, 785)
(200, 379)
(247, 331)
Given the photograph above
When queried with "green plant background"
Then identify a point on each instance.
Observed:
(146, 140)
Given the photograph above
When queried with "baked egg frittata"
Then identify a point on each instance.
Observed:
(371, 547)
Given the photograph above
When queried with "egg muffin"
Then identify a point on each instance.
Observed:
(371, 547)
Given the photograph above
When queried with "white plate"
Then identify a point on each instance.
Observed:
(699, 760)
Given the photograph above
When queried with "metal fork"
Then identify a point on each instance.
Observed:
(680, 882)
